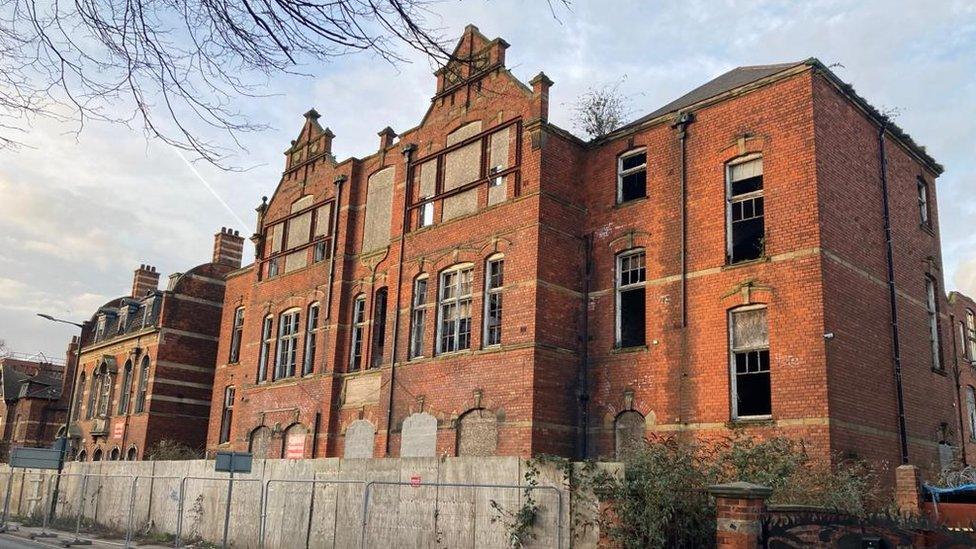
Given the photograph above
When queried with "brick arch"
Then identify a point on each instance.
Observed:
(497, 245)
(629, 240)
(454, 257)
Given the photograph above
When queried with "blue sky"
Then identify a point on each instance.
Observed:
(80, 212)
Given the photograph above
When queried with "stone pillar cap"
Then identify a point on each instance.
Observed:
(740, 489)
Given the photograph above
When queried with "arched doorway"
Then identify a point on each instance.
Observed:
(477, 433)
(628, 433)
(260, 442)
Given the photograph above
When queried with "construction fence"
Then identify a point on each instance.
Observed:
(405, 502)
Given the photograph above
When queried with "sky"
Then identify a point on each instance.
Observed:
(79, 212)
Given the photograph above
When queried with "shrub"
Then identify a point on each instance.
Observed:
(171, 450)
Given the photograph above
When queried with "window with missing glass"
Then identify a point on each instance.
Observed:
(932, 308)
(970, 334)
(311, 334)
(236, 335)
(923, 201)
(746, 212)
(749, 346)
(287, 344)
(454, 310)
(358, 332)
(632, 175)
(227, 414)
(494, 282)
(264, 354)
(418, 316)
(379, 328)
(631, 306)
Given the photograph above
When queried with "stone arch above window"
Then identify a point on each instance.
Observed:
(259, 442)
(359, 440)
(418, 437)
(116, 454)
(477, 433)
(628, 433)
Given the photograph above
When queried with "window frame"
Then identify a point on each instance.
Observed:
(226, 414)
(311, 334)
(287, 343)
(237, 334)
(621, 173)
(620, 289)
(491, 292)
(934, 326)
(125, 389)
(924, 202)
(143, 395)
(266, 349)
(357, 333)
(458, 301)
(377, 346)
(970, 332)
(730, 200)
(733, 375)
(418, 317)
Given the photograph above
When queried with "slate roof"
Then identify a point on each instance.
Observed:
(137, 318)
(17, 384)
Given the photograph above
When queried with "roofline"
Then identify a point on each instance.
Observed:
(811, 64)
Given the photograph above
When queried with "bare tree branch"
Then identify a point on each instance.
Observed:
(602, 109)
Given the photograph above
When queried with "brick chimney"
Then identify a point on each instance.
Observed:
(228, 248)
(540, 93)
(387, 135)
(145, 279)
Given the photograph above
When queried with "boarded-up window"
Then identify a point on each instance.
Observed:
(418, 438)
(468, 130)
(359, 440)
(628, 431)
(298, 230)
(477, 433)
(323, 220)
(379, 210)
(296, 260)
(497, 162)
(260, 443)
(275, 234)
(460, 168)
(302, 203)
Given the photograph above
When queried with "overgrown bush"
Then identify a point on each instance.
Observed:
(661, 501)
(171, 450)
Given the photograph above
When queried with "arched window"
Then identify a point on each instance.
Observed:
(143, 385)
(236, 335)
(267, 340)
(379, 327)
(494, 282)
(311, 334)
(287, 344)
(82, 456)
(628, 433)
(454, 309)
(115, 455)
(79, 394)
(477, 433)
(126, 393)
(104, 384)
(259, 443)
(92, 392)
(97, 456)
(358, 332)
(132, 454)
(631, 298)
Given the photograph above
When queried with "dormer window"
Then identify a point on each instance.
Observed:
(100, 328)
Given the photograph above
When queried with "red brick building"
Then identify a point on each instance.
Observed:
(34, 400)
(962, 353)
(487, 283)
(147, 361)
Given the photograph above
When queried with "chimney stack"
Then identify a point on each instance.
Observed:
(228, 248)
(146, 279)
(540, 92)
(387, 135)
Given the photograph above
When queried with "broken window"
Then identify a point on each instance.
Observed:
(923, 201)
(418, 317)
(126, 391)
(631, 306)
(971, 334)
(235, 337)
(311, 327)
(321, 251)
(971, 409)
(379, 328)
(746, 211)
(227, 414)
(358, 330)
(143, 385)
(631, 175)
(494, 280)
(273, 267)
(454, 329)
(287, 344)
(932, 308)
(749, 338)
(267, 338)
(425, 217)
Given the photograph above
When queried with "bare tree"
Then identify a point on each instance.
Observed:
(602, 109)
(4, 351)
(174, 67)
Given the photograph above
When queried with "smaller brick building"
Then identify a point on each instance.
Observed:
(34, 400)
(147, 361)
(962, 349)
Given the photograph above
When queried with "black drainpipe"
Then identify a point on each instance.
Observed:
(956, 373)
(892, 293)
(583, 378)
(407, 151)
(681, 123)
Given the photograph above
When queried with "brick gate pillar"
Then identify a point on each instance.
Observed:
(908, 497)
(739, 507)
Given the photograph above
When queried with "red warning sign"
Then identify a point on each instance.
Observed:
(415, 481)
(295, 446)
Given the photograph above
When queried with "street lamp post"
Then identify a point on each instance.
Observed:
(70, 387)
